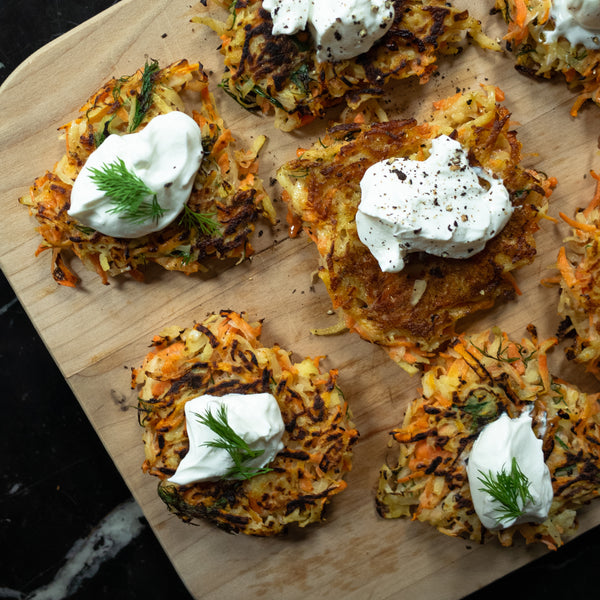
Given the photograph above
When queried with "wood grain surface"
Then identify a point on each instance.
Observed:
(95, 333)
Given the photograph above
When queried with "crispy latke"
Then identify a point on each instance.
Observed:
(580, 66)
(226, 186)
(280, 73)
(413, 312)
(579, 279)
(223, 355)
(480, 377)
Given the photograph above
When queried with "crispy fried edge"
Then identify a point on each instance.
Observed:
(316, 470)
(516, 378)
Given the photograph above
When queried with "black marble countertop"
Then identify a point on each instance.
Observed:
(69, 527)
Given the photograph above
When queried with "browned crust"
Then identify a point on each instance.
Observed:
(280, 73)
(376, 304)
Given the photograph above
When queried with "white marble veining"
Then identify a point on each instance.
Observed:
(8, 305)
(86, 556)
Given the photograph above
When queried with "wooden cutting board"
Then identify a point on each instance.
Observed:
(95, 333)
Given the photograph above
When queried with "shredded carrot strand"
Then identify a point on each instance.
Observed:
(566, 268)
(521, 12)
(596, 199)
(544, 373)
(511, 279)
(577, 224)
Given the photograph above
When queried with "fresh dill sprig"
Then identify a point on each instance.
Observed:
(232, 443)
(482, 405)
(184, 253)
(241, 100)
(127, 192)
(300, 173)
(264, 94)
(232, 8)
(561, 443)
(502, 354)
(144, 98)
(507, 489)
(204, 222)
(301, 78)
(85, 230)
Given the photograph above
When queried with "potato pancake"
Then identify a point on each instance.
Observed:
(413, 312)
(579, 267)
(226, 189)
(479, 378)
(280, 73)
(223, 355)
(527, 20)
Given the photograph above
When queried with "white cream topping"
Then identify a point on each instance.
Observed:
(289, 16)
(494, 449)
(576, 20)
(166, 155)
(256, 418)
(438, 205)
(341, 29)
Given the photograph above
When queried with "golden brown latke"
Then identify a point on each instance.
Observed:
(526, 20)
(479, 378)
(223, 355)
(280, 73)
(413, 312)
(226, 186)
(579, 279)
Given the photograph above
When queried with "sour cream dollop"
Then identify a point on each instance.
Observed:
(256, 418)
(166, 155)
(576, 20)
(341, 29)
(494, 449)
(438, 205)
